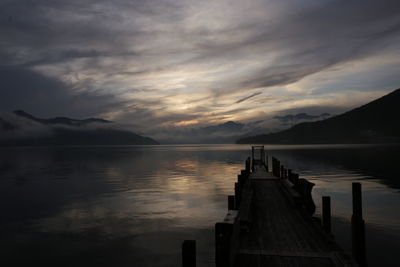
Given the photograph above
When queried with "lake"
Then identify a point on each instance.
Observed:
(134, 205)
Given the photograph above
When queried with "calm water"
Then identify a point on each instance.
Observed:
(133, 206)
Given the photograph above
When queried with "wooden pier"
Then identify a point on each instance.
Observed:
(270, 222)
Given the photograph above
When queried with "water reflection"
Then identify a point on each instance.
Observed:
(102, 206)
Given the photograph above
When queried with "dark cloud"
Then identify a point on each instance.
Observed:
(248, 97)
(34, 92)
(311, 39)
(57, 57)
(132, 59)
(57, 25)
(279, 75)
(30, 90)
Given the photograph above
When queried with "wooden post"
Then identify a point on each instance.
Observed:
(244, 174)
(252, 159)
(238, 194)
(358, 227)
(272, 165)
(289, 174)
(231, 202)
(189, 253)
(295, 178)
(277, 168)
(248, 165)
(241, 180)
(223, 235)
(262, 155)
(282, 168)
(266, 163)
(326, 214)
(357, 201)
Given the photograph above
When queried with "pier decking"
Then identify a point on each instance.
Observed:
(270, 222)
(281, 234)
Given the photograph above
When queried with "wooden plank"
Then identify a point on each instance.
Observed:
(283, 234)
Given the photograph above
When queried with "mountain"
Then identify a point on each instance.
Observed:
(60, 120)
(230, 131)
(224, 133)
(229, 126)
(375, 122)
(23, 129)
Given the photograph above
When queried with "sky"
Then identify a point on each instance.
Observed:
(171, 64)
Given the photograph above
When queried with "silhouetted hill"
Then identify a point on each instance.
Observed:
(60, 120)
(229, 126)
(224, 133)
(230, 131)
(27, 130)
(375, 122)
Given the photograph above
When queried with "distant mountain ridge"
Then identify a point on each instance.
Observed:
(227, 126)
(60, 120)
(224, 133)
(64, 131)
(230, 131)
(375, 122)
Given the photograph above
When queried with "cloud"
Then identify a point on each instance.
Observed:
(248, 97)
(165, 63)
(32, 91)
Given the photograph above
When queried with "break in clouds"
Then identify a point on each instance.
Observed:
(161, 66)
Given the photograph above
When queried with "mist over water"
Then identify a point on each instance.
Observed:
(134, 205)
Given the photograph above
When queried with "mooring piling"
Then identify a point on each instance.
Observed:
(241, 179)
(276, 167)
(358, 227)
(295, 178)
(247, 164)
(238, 193)
(189, 253)
(326, 214)
(223, 244)
(231, 202)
